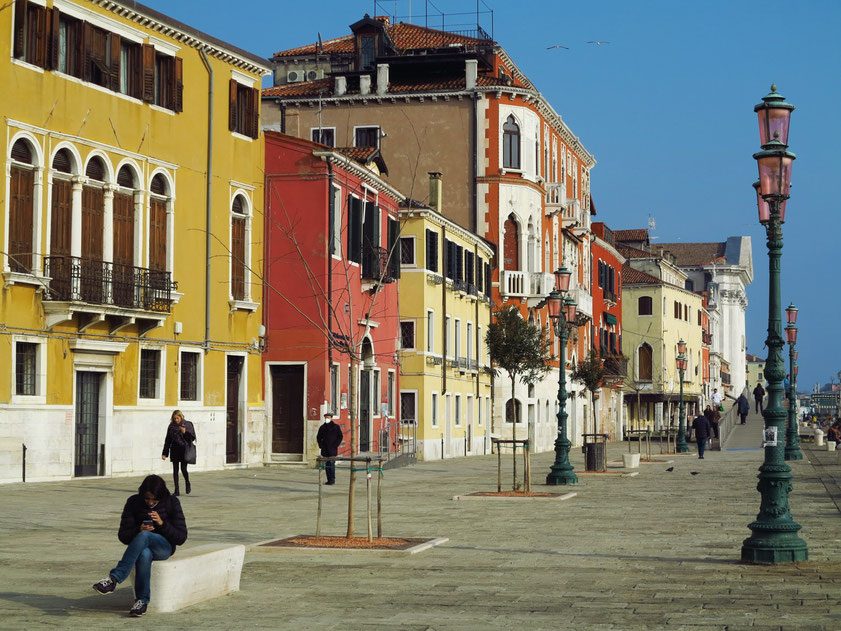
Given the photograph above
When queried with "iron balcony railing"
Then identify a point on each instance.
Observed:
(375, 264)
(75, 279)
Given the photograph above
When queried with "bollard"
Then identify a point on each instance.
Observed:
(818, 438)
(830, 445)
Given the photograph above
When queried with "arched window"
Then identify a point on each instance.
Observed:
(511, 245)
(93, 227)
(21, 208)
(645, 360)
(511, 143)
(512, 411)
(157, 223)
(532, 248)
(61, 225)
(644, 305)
(238, 247)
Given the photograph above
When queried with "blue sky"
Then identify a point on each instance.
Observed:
(666, 108)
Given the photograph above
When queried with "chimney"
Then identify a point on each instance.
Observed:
(471, 70)
(435, 191)
(382, 79)
(364, 84)
(340, 86)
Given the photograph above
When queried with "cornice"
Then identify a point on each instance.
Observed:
(367, 176)
(437, 218)
(604, 244)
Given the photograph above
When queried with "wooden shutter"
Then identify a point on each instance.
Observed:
(148, 73)
(393, 249)
(93, 213)
(20, 219)
(255, 112)
(233, 88)
(87, 50)
(479, 269)
(53, 33)
(114, 66)
(157, 235)
(431, 250)
(487, 279)
(238, 258)
(124, 229)
(354, 231)
(459, 252)
(171, 87)
(20, 28)
(179, 85)
(62, 218)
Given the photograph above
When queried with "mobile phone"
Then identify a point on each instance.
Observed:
(148, 522)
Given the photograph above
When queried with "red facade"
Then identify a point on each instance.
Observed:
(331, 226)
(607, 293)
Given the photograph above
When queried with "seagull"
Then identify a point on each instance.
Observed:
(597, 43)
(557, 46)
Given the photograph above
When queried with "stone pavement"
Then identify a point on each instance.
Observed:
(655, 551)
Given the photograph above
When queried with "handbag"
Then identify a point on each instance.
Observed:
(190, 453)
(721, 407)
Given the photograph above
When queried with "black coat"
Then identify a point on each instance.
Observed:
(174, 528)
(758, 391)
(329, 438)
(176, 442)
(701, 427)
(744, 405)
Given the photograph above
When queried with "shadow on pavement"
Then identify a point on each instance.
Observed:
(53, 605)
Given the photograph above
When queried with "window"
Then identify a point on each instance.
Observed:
(479, 401)
(407, 251)
(448, 340)
(390, 393)
(238, 249)
(408, 407)
(354, 229)
(30, 39)
(26, 368)
(457, 336)
(21, 208)
(689, 284)
(376, 393)
(150, 361)
(677, 309)
(244, 109)
(645, 363)
(69, 46)
(368, 51)
(512, 411)
(190, 376)
(430, 331)
(511, 143)
(130, 70)
(367, 137)
(434, 413)
(431, 250)
(458, 411)
(324, 136)
(407, 334)
(644, 305)
(334, 388)
(158, 202)
(469, 341)
(336, 222)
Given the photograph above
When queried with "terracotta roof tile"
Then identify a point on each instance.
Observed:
(636, 234)
(309, 89)
(696, 253)
(631, 276)
(362, 154)
(634, 253)
(305, 88)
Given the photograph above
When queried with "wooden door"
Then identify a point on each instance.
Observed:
(61, 222)
(157, 234)
(93, 221)
(233, 405)
(21, 188)
(287, 409)
(123, 268)
(86, 460)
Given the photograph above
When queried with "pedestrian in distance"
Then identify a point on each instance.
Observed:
(178, 445)
(714, 422)
(716, 398)
(744, 407)
(834, 432)
(152, 525)
(329, 438)
(701, 429)
(759, 395)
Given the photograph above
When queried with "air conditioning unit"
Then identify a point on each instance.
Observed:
(295, 76)
(312, 75)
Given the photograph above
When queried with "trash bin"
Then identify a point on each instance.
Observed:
(594, 457)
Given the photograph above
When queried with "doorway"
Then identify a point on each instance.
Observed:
(233, 431)
(364, 410)
(86, 462)
(287, 409)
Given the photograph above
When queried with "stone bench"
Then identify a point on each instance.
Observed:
(193, 575)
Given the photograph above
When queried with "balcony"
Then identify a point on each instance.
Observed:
(527, 284)
(555, 197)
(375, 265)
(707, 339)
(584, 301)
(609, 296)
(98, 289)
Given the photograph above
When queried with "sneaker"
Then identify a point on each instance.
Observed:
(137, 609)
(105, 586)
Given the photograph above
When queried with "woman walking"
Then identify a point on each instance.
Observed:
(152, 526)
(179, 436)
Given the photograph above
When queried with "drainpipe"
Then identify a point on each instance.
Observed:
(444, 346)
(474, 142)
(330, 214)
(209, 204)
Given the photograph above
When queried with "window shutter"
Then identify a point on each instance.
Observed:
(255, 112)
(179, 85)
(22, 187)
(114, 65)
(393, 249)
(52, 38)
(354, 231)
(448, 259)
(148, 74)
(87, 47)
(459, 252)
(233, 87)
(238, 259)
(20, 27)
(61, 218)
(487, 279)
(157, 235)
(431, 250)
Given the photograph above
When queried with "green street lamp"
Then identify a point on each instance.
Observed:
(562, 311)
(680, 444)
(774, 533)
(792, 451)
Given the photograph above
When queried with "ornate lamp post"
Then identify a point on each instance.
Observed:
(774, 533)
(562, 311)
(792, 439)
(680, 444)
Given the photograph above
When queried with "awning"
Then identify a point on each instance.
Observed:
(609, 318)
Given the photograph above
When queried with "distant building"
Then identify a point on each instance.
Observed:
(755, 371)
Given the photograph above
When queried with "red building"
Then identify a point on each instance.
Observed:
(330, 293)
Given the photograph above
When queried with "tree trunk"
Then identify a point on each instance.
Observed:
(514, 429)
(639, 412)
(353, 451)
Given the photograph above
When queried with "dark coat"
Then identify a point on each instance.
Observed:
(758, 391)
(701, 427)
(329, 438)
(176, 442)
(709, 414)
(174, 528)
(744, 404)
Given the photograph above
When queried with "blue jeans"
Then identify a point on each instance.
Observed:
(146, 547)
(702, 445)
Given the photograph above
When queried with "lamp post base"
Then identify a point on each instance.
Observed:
(682, 447)
(774, 549)
(558, 477)
(793, 453)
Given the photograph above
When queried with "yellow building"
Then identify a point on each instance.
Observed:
(445, 383)
(755, 371)
(132, 204)
(657, 312)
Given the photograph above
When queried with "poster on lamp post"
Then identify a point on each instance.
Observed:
(770, 436)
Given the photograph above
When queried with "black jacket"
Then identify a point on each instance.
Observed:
(758, 391)
(174, 528)
(329, 438)
(176, 442)
(701, 427)
(744, 405)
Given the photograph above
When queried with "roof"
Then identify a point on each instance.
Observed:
(404, 37)
(635, 234)
(631, 276)
(753, 358)
(364, 156)
(696, 253)
(307, 89)
(633, 253)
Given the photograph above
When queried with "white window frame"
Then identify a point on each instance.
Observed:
(448, 351)
(199, 402)
(246, 304)
(391, 384)
(377, 127)
(336, 402)
(414, 241)
(457, 338)
(481, 418)
(414, 394)
(468, 407)
(376, 393)
(469, 333)
(158, 399)
(338, 215)
(323, 128)
(433, 415)
(40, 396)
(430, 331)
(414, 335)
(457, 411)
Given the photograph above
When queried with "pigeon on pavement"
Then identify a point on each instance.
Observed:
(670, 469)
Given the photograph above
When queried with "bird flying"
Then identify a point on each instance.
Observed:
(597, 42)
(557, 46)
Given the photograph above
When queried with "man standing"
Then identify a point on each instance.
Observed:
(701, 429)
(329, 438)
(716, 399)
(759, 395)
(744, 407)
